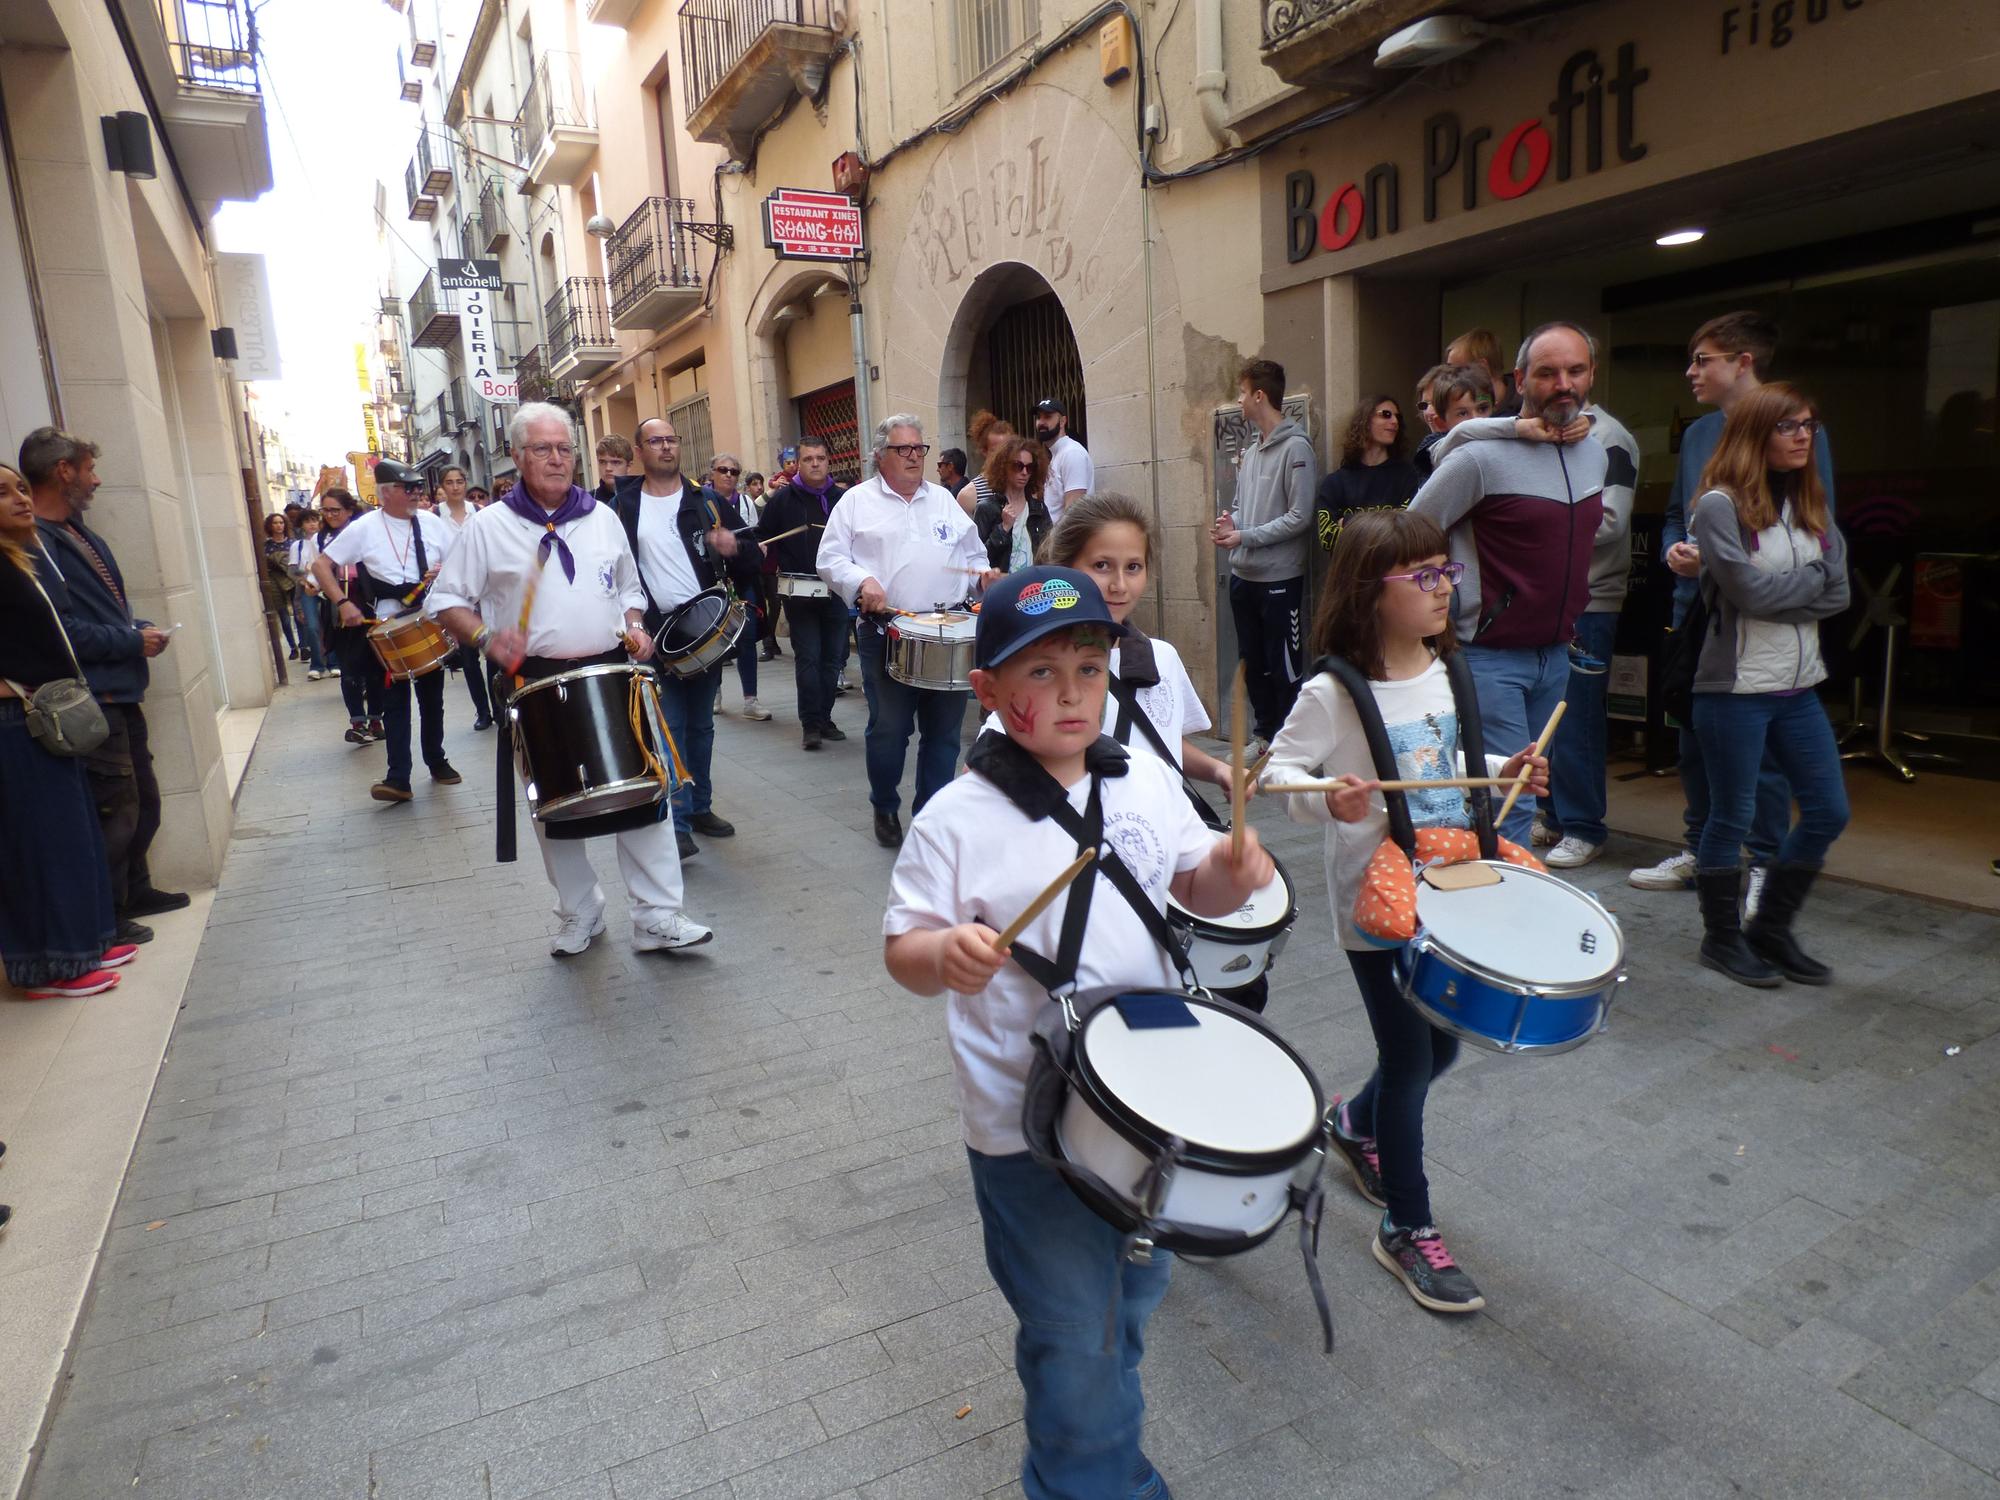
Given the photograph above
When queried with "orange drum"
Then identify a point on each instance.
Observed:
(411, 645)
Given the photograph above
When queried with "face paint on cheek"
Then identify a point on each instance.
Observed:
(1021, 717)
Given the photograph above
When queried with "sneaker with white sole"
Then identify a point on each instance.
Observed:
(663, 934)
(576, 932)
(751, 710)
(314, 675)
(1753, 891)
(1571, 853)
(1418, 1259)
(1544, 834)
(1674, 873)
(96, 982)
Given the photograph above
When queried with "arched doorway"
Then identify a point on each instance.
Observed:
(1011, 345)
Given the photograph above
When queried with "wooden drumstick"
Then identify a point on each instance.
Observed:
(1040, 904)
(1293, 787)
(1239, 695)
(766, 541)
(1521, 781)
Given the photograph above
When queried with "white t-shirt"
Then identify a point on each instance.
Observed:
(971, 855)
(663, 556)
(1170, 703)
(1322, 738)
(443, 513)
(1070, 468)
(386, 547)
(924, 551)
(496, 555)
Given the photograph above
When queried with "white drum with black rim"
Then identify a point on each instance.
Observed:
(1246, 1109)
(803, 586)
(1232, 950)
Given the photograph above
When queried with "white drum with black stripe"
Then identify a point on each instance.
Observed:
(1234, 949)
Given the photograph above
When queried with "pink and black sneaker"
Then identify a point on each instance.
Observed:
(1418, 1259)
(1363, 1160)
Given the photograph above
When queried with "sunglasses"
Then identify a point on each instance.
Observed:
(732, 473)
(1427, 578)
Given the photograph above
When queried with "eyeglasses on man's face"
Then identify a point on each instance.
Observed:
(660, 441)
(1427, 578)
(1703, 361)
(909, 450)
(563, 451)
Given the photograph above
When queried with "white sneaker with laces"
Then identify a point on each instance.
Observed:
(752, 711)
(576, 932)
(314, 675)
(1544, 834)
(1753, 891)
(1674, 873)
(671, 932)
(1571, 853)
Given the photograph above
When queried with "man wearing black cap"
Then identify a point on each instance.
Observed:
(397, 551)
(1071, 473)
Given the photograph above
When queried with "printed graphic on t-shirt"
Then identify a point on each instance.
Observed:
(943, 532)
(1426, 749)
(1160, 704)
(1138, 844)
(607, 578)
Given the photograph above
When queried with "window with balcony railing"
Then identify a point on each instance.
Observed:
(211, 43)
(492, 216)
(533, 376)
(716, 35)
(556, 97)
(577, 317)
(653, 249)
(988, 31)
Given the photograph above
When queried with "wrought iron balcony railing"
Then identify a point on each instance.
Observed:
(716, 35)
(578, 319)
(534, 377)
(213, 44)
(556, 98)
(653, 251)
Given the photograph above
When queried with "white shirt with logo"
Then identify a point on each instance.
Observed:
(663, 556)
(499, 551)
(386, 547)
(1070, 468)
(924, 551)
(971, 855)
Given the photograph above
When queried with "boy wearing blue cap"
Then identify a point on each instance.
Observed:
(977, 854)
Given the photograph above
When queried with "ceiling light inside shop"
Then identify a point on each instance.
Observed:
(1681, 237)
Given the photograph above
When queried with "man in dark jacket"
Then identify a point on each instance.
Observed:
(817, 615)
(113, 649)
(686, 540)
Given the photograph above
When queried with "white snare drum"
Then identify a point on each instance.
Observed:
(1229, 951)
(1246, 1107)
(803, 586)
(931, 650)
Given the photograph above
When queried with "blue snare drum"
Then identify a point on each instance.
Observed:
(1529, 965)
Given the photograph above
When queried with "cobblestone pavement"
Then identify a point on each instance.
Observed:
(419, 1212)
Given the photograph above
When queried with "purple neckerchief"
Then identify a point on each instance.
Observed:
(578, 502)
(819, 494)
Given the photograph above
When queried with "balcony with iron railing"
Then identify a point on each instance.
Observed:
(428, 176)
(578, 318)
(1303, 39)
(655, 277)
(742, 58)
(434, 322)
(556, 129)
(493, 226)
(199, 58)
(454, 403)
(533, 376)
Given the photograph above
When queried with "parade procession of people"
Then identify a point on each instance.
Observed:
(1235, 796)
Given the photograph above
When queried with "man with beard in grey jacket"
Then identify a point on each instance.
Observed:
(1269, 533)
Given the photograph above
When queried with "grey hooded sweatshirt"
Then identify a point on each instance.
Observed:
(1274, 506)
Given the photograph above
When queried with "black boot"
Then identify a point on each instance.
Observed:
(1722, 946)
(1770, 931)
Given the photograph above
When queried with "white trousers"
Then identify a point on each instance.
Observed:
(649, 858)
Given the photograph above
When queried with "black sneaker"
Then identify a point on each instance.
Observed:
(811, 737)
(1418, 1259)
(443, 772)
(714, 826)
(1363, 1160)
(377, 731)
(129, 931)
(357, 734)
(151, 901)
(831, 731)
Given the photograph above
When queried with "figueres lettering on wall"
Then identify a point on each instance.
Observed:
(1777, 24)
(1592, 120)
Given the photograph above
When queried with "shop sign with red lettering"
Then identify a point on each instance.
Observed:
(804, 225)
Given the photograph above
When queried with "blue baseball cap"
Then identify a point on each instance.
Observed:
(1025, 606)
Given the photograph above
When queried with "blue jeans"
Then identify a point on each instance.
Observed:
(1057, 1264)
(819, 637)
(1768, 823)
(746, 646)
(1519, 687)
(895, 710)
(429, 693)
(312, 605)
(1410, 1055)
(1578, 753)
(1737, 730)
(688, 705)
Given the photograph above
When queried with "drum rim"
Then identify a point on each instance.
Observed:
(1146, 1137)
(598, 669)
(1239, 937)
(1427, 941)
(1487, 1042)
(542, 814)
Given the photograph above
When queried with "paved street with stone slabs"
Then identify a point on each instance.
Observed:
(419, 1213)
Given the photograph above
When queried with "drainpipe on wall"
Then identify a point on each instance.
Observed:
(864, 425)
(1210, 77)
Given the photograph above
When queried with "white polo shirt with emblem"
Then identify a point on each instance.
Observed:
(924, 551)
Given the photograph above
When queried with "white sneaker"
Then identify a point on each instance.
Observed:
(333, 671)
(752, 711)
(1753, 891)
(576, 932)
(314, 675)
(1674, 873)
(1544, 834)
(671, 932)
(1572, 852)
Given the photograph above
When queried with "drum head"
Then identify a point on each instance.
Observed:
(1224, 1084)
(693, 623)
(1531, 927)
(1270, 907)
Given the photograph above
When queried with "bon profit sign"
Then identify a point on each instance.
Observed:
(800, 224)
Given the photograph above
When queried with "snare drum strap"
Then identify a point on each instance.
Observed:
(1471, 742)
(1125, 687)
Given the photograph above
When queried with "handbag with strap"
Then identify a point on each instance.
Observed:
(63, 715)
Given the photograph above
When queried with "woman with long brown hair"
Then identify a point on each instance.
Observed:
(985, 433)
(1773, 566)
(1010, 515)
(1373, 474)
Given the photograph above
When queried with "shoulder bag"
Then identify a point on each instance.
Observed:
(63, 715)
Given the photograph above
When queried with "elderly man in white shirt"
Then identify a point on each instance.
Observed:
(544, 582)
(898, 543)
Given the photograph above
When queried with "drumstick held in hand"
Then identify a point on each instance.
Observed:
(1292, 787)
(1239, 693)
(1040, 904)
(770, 539)
(1521, 781)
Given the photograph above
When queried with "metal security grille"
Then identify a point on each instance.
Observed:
(990, 29)
(829, 413)
(1031, 354)
(697, 437)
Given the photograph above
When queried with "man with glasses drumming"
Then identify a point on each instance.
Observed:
(686, 539)
(896, 543)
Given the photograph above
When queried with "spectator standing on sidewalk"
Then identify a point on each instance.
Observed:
(986, 433)
(1373, 474)
(1268, 534)
(277, 583)
(114, 649)
(1071, 473)
(1013, 517)
(1728, 358)
(614, 462)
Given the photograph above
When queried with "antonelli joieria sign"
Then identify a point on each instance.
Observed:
(244, 289)
(476, 282)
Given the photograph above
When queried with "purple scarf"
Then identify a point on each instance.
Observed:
(819, 494)
(578, 502)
